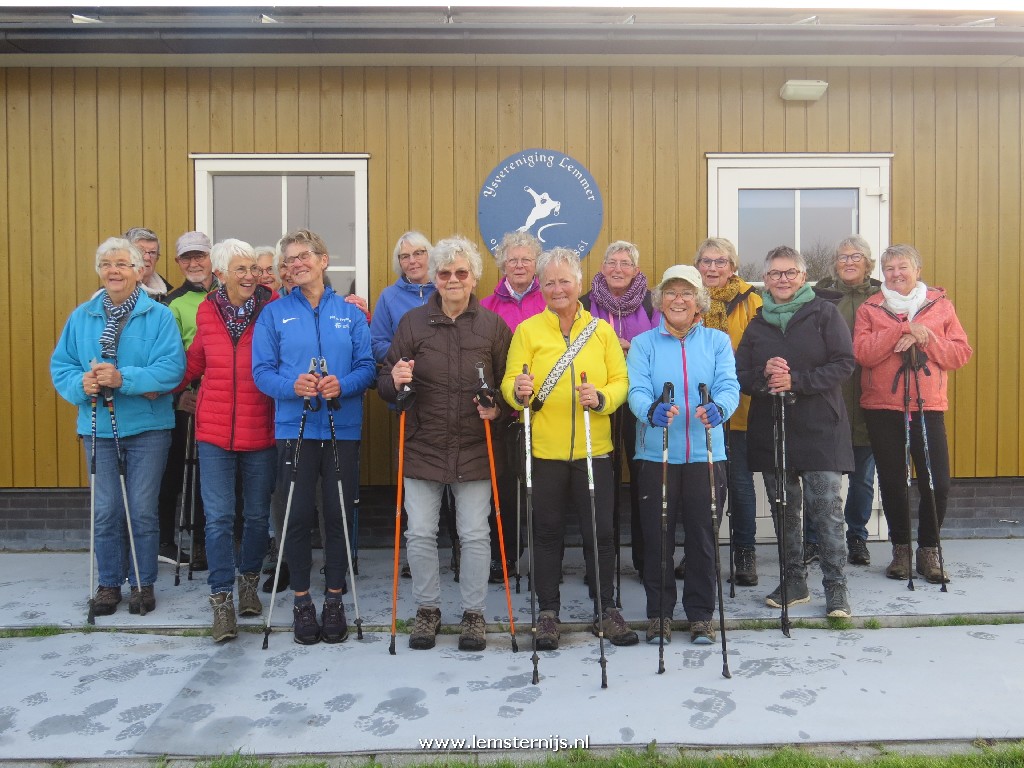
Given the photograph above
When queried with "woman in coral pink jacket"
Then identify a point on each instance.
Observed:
(234, 431)
(909, 325)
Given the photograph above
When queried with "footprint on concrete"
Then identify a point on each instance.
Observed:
(848, 638)
(140, 712)
(304, 681)
(525, 695)
(452, 653)
(802, 696)
(454, 691)
(318, 721)
(710, 710)
(377, 726)
(195, 713)
(84, 724)
(508, 712)
(29, 615)
(879, 653)
(133, 731)
(35, 698)
(341, 703)
(7, 718)
(781, 710)
(981, 635)
(287, 708)
(404, 704)
(694, 659)
(784, 667)
(269, 695)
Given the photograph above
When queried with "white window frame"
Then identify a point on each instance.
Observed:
(207, 166)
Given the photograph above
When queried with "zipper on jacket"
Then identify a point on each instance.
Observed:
(686, 397)
(572, 400)
(234, 389)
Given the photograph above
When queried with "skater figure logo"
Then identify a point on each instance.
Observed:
(546, 193)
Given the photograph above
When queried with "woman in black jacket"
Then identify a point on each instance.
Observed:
(799, 347)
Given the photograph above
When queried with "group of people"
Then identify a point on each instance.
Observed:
(685, 379)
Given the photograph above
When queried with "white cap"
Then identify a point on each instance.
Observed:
(682, 272)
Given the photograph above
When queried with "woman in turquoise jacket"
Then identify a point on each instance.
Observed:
(685, 354)
(122, 343)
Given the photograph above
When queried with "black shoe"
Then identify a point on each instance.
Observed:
(307, 631)
(811, 553)
(334, 626)
(680, 570)
(859, 554)
(746, 567)
(496, 575)
(199, 558)
(168, 553)
(143, 599)
(282, 582)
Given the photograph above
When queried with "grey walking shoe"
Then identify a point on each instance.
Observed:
(837, 603)
(928, 565)
(424, 628)
(225, 626)
(796, 593)
(899, 568)
(616, 630)
(702, 632)
(474, 632)
(655, 631)
(746, 567)
(249, 603)
(547, 631)
(858, 551)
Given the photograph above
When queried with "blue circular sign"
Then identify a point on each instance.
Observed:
(543, 192)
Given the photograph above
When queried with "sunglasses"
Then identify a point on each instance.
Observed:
(444, 275)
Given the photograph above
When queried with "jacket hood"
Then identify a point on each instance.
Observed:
(501, 289)
(416, 288)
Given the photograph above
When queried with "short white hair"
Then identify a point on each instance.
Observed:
(561, 256)
(223, 252)
(119, 245)
(413, 238)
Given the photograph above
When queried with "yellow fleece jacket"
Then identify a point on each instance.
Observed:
(737, 323)
(557, 429)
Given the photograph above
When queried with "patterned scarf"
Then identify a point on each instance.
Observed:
(117, 314)
(626, 304)
(720, 297)
(779, 315)
(237, 319)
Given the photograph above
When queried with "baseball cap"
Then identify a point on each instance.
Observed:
(192, 241)
(682, 272)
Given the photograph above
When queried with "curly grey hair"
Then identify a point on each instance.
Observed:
(560, 256)
(448, 250)
(515, 240)
(858, 243)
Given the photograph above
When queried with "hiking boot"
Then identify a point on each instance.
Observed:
(858, 549)
(474, 632)
(497, 575)
(616, 630)
(811, 553)
(547, 631)
(456, 559)
(837, 603)
(307, 630)
(899, 568)
(928, 565)
(225, 627)
(199, 557)
(655, 631)
(248, 596)
(424, 628)
(796, 593)
(680, 570)
(168, 553)
(106, 600)
(334, 627)
(746, 567)
(282, 582)
(702, 632)
(142, 601)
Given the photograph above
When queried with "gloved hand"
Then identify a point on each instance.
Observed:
(659, 414)
(714, 413)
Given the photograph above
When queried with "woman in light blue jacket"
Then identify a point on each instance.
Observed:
(123, 343)
(685, 354)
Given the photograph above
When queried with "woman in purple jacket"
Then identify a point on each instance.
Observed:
(619, 295)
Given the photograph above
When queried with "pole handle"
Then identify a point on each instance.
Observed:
(668, 392)
(333, 403)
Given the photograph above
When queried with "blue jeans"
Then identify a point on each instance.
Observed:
(218, 468)
(145, 455)
(742, 499)
(859, 497)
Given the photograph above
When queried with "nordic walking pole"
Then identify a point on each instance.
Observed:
(122, 469)
(666, 397)
(307, 406)
(732, 528)
(781, 500)
(485, 396)
(705, 400)
(189, 468)
(403, 400)
(529, 528)
(616, 517)
(593, 531)
(928, 463)
(519, 524)
(906, 457)
(192, 455)
(334, 404)
(91, 617)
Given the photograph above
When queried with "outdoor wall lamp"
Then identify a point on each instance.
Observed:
(803, 90)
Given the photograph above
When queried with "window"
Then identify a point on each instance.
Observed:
(258, 198)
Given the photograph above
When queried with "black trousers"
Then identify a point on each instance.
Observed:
(168, 510)
(316, 464)
(887, 432)
(624, 434)
(559, 486)
(689, 502)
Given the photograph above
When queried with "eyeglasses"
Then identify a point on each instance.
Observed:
(444, 275)
(623, 265)
(718, 263)
(853, 258)
(151, 254)
(305, 257)
(196, 256)
(516, 262)
(778, 274)
(419, 253)
(120, 266)
(241, 272)
(673, 295)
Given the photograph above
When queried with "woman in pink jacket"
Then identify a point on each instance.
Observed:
(908, 324)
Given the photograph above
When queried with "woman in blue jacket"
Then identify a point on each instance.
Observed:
(411, 289)
(313, 321)
(123, 343)
(680, 351)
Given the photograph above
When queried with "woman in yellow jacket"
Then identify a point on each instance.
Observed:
(734, 302)
(557, 346)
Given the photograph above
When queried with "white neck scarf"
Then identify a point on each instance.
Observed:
(906, 305)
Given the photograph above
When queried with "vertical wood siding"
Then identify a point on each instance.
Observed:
(91, 152)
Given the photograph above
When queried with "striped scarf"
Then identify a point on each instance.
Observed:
(117, 314)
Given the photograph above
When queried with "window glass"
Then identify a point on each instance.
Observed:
(826, 216)
(326, 205)
(237, 198)
(767, 218)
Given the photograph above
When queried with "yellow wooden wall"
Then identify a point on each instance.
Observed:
(90, 152)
